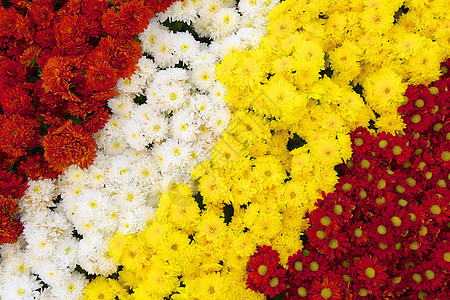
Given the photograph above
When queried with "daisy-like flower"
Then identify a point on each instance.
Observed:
(327, 288)
(262, 268)
(368, 269)
(20, 287)
(441, 255)
(436, 205)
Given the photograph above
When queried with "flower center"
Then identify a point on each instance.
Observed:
(370, 272)
(326, 293)
(262, 270)
(273, 282)
(435, 209)
(396, 221)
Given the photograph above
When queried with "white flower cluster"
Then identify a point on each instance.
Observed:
(143, 150)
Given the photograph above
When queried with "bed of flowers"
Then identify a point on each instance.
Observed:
(223, 149)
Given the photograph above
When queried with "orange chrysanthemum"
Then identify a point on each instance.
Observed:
(69, 145)
(132, 18)
(18, 134)
(9, 228)
(57, 75)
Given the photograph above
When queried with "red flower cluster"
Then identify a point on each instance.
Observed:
(384, 232)
(60, 61)
(265, 274)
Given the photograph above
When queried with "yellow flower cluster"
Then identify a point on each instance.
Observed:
(379, 44)
(277, 92)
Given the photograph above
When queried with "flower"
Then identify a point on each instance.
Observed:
(369, 270)
(261, 268)
(327, 288)
(69, 144)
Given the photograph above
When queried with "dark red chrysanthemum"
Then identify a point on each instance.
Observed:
(261, 268)
(369, 269)
(327, 288)
(436, 204)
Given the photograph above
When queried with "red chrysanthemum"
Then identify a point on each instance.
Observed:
(57, 75)
(277, 282)
(436, 204)
(12, 73)
(369, 269)
(17, 134)
(440, 255)
(9, 228)
(16, 101)
(327, 288)
(68, 145)
(261, 267)
(36, 167)
(12, 185)
(132, 18)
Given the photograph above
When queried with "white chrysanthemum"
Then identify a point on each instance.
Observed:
(251, 37)
(171, 75)
(204, 57)
(203, 77)
(93, 255)
(40, 241)
(162, 51)
(66, 253)
(148, 36)
(225, 21)
(72, 288)
(173, 154)
(209, 7)
(129, 223)
(20, 287)
(120, 170)
(146, 214)
(15, 264)
(92, 204)
(75, 175)
(184, 11)
(51, 274)
(217, 93)
(156, 129)
(130, 197)
(46, 294)
(227, 45)
(202, 26)
(147, 68)
(184, 126)
(256, 8)
(172, 97)
(97, 176)
(132, 85)
(40, 193)
(134, 135)
(121, 105)
(146, 172)
(185, 47)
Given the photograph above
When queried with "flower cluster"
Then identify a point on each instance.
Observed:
(166, 118)
(383, 232)
(60, 62)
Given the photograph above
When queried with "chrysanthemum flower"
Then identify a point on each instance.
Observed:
(69, 144)
(370, 270)
(326, 288)
(262, 268)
